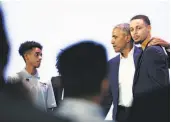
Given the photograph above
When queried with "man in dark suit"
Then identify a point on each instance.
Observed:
(121, 73)
(118, 68)
(15, 104)
(151, 76)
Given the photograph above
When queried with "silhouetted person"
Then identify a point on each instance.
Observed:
(82, 67)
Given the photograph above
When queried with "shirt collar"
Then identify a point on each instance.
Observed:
(30, 76)
(129, 54)
(145, 42)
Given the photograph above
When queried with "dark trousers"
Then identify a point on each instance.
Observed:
(122, 113)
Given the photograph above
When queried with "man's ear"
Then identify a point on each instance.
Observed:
(25, 56)
(128, 38)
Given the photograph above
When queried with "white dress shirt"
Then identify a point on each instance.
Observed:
(126, 76)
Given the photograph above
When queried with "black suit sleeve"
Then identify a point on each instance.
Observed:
(144, 106)
(168, 57)
(157, 65)
(106, 101)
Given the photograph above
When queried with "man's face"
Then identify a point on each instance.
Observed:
(119, 40)
(139, 30)
(34, 57)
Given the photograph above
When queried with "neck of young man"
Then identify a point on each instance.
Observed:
(30, 69)
(145, 42)
(126, 51)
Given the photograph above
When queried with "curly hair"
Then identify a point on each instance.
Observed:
(28, 45)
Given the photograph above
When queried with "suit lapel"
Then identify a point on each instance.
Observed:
(137, 53)
(114, 78)
(137, 60)
(113, 74)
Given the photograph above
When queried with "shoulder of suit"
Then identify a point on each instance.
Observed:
(155, 49)
(114, 59)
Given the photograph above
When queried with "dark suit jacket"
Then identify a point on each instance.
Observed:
(168, 58)
(113, 92)
(151, 76)
(152, 71)
(57, 88)
(153, 106)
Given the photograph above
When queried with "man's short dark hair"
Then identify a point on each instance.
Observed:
(28, 45)
(143, 17)
(82, 67)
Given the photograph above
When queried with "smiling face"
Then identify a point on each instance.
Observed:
(139, 30)
(33, 57)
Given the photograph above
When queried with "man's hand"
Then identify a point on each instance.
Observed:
(158, 41)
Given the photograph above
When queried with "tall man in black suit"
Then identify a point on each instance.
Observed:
(151, 76)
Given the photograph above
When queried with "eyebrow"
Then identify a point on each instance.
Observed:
(114, 36)
(38, 52)
(135, 26)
